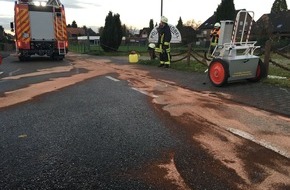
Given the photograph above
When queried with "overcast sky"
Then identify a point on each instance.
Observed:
(137, 14)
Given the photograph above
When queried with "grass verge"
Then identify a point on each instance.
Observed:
(181, 65)
(278, 77)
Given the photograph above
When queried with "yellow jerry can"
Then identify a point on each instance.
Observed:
(133, 57)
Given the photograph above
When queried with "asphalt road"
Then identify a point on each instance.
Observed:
(12, 67)
(98, 134)
(84, 137)
(103, 134)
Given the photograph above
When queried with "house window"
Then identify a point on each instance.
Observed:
(241, 23)
(279, 26)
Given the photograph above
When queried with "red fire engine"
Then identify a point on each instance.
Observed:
(40, 29)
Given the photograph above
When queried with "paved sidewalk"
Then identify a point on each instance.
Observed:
(263, 96)
(260, 95)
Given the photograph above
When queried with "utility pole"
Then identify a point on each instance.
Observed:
(161, 7)
(88, 39)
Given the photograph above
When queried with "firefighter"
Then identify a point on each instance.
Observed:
(215, 33)
(163, 46)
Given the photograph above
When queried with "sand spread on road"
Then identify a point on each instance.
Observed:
(215, 116)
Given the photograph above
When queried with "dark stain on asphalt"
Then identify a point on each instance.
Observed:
(256, 158)
(198, 168)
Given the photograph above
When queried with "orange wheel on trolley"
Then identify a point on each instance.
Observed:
(261, 72)
(218, 72)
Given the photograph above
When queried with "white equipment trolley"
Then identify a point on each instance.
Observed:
(233, 58)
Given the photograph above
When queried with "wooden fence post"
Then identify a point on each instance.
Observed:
(188, 53)
(267, 55)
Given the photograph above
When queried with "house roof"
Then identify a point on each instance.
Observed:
(146, 30)
(276, 22)
(76, 31)
(209, 23)
(91, 32)
(188, 29)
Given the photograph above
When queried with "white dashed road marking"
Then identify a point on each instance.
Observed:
(113, 79)
(13, 72)
(136, 89)
(261, 142)
(143, 92)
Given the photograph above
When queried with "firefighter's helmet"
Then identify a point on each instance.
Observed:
(151, 45)
(164, 19)
(217, 25)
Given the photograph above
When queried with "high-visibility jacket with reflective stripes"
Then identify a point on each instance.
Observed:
(164, 37)
(215, 33)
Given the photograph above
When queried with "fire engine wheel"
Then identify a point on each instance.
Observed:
(218, 72)
(260, 72)
(23, 58)
(56, 57)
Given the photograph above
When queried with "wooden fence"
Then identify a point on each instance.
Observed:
(200, 57)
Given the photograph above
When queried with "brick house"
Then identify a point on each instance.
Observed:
(204, 30)
(145, 32)
(73, 33)
(274, 25)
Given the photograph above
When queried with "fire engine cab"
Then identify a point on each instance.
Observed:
(40, 29)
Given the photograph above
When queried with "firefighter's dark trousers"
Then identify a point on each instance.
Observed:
(165, 57)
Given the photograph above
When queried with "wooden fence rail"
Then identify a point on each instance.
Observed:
(200, 57)
(187, 55)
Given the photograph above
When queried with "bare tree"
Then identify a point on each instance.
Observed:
(193, 23)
